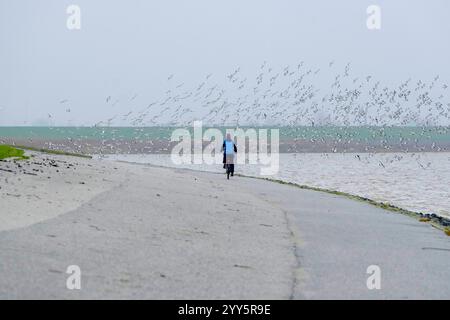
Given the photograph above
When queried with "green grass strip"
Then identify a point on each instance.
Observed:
(57, 152)
(11, 152)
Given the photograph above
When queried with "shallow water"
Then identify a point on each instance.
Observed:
(415, 181)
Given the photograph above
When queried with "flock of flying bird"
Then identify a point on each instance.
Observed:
(291, 97)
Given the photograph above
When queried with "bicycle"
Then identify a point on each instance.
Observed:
(229, 169)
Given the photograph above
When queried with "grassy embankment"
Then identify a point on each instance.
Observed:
(11, 152)
(18, 152)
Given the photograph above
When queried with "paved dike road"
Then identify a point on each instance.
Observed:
(159, 233)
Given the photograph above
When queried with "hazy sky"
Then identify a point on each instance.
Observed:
(130, 47)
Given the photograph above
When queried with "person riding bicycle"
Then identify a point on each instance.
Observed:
(229, 148)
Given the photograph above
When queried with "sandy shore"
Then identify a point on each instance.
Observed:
(49, 185)
(144, 232)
